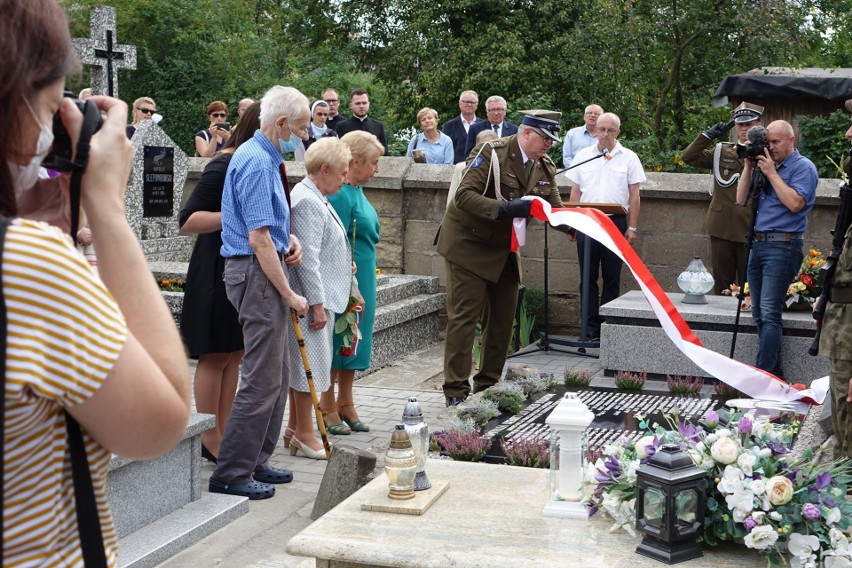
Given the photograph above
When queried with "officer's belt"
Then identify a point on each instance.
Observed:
(778, 237)
(841, 295)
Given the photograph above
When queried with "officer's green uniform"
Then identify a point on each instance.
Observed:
(482, 272)
(836, 343)
(727, 223)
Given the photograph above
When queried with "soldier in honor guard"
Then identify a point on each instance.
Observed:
(726, 223)
(475, 238)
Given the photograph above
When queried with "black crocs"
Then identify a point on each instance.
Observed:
(251, 489)
(273, 475)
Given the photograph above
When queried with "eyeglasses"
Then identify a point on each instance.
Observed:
(146, 110)
(329, 101)
(497, 110)
(219, 114)
(547, 139)
(470, 102)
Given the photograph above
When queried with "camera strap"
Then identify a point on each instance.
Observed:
(91, 122)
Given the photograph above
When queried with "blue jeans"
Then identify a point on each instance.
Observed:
(771, 268)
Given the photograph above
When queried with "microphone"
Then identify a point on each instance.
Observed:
(605, 153)
(757, 135)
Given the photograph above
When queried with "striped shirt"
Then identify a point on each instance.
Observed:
(64, 334)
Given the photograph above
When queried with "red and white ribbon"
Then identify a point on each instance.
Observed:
(754, 382)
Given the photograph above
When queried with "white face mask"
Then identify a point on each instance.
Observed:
(25, 177)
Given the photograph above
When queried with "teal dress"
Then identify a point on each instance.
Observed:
(355, 211)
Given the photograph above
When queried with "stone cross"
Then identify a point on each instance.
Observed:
(103, 53)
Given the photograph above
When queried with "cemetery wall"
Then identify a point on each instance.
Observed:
(410, 199)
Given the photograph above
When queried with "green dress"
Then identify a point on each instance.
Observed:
(355, 211)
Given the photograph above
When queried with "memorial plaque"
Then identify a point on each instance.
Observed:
(158, 181)
(615, 412)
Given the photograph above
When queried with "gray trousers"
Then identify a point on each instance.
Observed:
(254, 425)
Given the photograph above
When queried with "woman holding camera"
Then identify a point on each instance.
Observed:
(102, 354)
(431, 145)
(213, 138)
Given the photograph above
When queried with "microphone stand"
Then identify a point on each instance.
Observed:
(544, 344)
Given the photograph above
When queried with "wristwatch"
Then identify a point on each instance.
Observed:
(634, 229)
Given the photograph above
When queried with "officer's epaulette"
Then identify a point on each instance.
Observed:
(499, 143)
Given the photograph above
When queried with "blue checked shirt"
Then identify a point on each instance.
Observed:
(799, 173)
(253, 198)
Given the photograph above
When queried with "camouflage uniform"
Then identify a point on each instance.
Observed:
(836, 343)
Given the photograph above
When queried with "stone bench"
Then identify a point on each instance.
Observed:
(158, 505)
(632, 339)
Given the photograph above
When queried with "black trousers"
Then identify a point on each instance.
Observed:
(601, 262)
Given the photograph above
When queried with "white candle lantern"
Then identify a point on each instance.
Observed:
(568, 421)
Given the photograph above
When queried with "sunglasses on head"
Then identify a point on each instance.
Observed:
(146, 110)
(219, 114)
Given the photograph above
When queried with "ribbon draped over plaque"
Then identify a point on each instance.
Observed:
(754, 382)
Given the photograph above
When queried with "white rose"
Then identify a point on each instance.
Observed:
(642, 447)
(723, 433)
(746, 462)
(780, 490)
(758, 487)
(762, 537)
(725, 450)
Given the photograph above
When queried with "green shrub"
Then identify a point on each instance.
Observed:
(821, 138)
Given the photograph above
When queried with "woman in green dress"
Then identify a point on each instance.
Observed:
(361, 222)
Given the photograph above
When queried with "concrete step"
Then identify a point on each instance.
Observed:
(390, 289)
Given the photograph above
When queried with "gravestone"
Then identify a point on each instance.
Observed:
(616, 414)
(102, 52)
(154, 194)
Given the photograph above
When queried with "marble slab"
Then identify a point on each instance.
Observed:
(377, 498)
(490, 517)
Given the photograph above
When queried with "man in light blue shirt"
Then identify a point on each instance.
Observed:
(783, 205)
(257, 247)
(583, 136)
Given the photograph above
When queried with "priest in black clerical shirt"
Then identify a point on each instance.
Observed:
(359, 104)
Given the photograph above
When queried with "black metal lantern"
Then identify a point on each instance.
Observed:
(670, 506)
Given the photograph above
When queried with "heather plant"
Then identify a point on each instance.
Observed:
(577, 379)
(455, 424)
(526, 453)
(724, 390)
(480, 410)
(510, 397)
(464, 447)
(626, 380)
(684, 385)
(533, 383)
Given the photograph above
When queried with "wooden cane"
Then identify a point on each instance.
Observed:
(300, 339)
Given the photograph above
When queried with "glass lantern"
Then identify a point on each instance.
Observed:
(694, 282)
(670, 506)
(400, 465)
(568, 422)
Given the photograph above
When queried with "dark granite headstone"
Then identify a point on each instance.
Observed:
(158, 181)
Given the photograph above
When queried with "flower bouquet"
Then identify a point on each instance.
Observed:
(803, 290)
(346, 326)
(790, 509)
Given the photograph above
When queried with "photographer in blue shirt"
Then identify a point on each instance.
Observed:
(782, 204)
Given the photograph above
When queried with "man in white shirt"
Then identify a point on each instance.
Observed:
(615, 178)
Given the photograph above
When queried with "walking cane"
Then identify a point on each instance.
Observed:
(300, 339)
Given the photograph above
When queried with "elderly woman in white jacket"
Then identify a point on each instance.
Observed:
(324, 278)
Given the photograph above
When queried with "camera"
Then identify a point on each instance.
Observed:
(222, 126)
(62, 156)
(757, 143)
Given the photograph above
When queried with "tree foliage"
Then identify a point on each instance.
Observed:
(656, 63)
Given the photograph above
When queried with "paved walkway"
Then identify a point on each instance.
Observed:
(258, 538)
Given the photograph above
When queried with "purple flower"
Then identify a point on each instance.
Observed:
(744, 425)
(687, 430)
(823, 480)
(810, 511)
(778, 448)
(711, 418)
(749, 524)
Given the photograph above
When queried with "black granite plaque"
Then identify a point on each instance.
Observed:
(615, 412)
(158, 181)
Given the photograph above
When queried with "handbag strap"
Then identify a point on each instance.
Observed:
(88, 521)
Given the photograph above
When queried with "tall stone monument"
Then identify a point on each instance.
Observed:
(103, 53)
(154, 194)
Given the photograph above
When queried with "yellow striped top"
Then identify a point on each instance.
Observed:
(64, 334)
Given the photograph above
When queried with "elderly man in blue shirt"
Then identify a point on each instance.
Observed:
(582, 136)
(257, 247)
(782, 207)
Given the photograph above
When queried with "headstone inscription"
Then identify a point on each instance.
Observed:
(615, 412)
(102, 52)
(154, 194)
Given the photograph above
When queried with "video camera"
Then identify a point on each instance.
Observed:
(757, 143)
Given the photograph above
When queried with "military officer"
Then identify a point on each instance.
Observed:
(727, 223)
(836, 338)
(475, 239)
